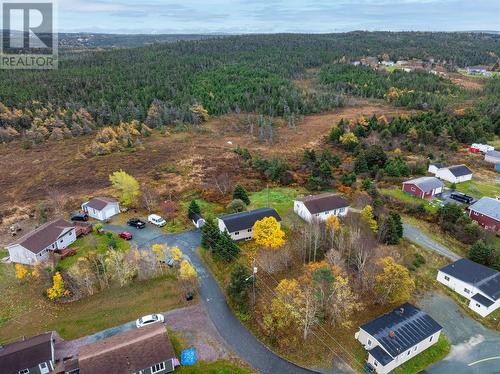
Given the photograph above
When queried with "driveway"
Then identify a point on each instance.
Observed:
(474, 348)
(228, 326)
(415, 235)
(139, 236)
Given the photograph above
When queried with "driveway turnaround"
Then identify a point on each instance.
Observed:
(229, 327)
(474, 348)
(415, 235)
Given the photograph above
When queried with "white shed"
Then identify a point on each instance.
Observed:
(455, 174)
(101, 208)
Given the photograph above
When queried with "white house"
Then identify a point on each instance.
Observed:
(433, 168)
(36, 245)
(101, 208)
(453, 174)
(397, 337)
(483, 148)
(319, 207)
(240, 225)
(478, 283)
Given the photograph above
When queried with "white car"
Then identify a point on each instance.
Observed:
(149, 319)
(156, 220)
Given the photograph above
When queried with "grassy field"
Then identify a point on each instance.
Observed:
(479, 188)
(24, 310)
(431, 355)
(279, 198)
(217, 367)
(400, 195)
(93, 242)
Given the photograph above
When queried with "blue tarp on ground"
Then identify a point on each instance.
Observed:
(188, 357)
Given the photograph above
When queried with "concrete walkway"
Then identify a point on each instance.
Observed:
(415, 235)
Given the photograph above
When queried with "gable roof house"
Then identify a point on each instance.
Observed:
(320, 207)
(397, 336)
(454, 174)
(146, 350)
(492, 157)
(101, 208)
(36, 245)
(478, 283)
(240, 225)
(34, 355)
(423, 187)
(486, 212)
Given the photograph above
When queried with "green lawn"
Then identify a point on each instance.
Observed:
(479, 188)
(431, 355)
(92, 242)
(431, 207)
(280, 198)
(217, 367)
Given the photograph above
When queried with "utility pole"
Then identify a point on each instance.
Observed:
(253, 276)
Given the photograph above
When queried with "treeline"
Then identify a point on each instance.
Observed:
(419, 90)
(119, 85)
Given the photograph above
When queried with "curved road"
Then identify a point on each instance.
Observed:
(229, 327)
(415, 235)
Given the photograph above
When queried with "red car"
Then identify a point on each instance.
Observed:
(125, 235)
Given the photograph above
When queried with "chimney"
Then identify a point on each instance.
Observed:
(392, 334)
(402, 310)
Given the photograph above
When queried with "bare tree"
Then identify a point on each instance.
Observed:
(223, 183)
(149, 198)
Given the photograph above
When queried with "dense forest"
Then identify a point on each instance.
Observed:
(248, 73)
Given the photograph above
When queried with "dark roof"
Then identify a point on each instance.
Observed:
(495, 154)
(43, 236)
(459, 170)
(245, 220)
(480, 276)
(26, 354)
(100, 203)
(127, 352)
(408, 325)
(380, 355)
(324, 202)
(482, 300)
(439, 166)
(426, 184)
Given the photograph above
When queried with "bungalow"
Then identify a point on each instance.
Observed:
(454, 174)
(320, 207)
(476, 282)
(146, 350)
(423, 187)
(486, 212)
(397, 337)
(101, 208)
(240, 225)
(34, 355)
(481, 148)
(36, 245)
(492, 157)
(478, 70)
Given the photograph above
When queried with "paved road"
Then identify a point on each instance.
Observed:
(413, 234)
(474, 348)
(230, 328)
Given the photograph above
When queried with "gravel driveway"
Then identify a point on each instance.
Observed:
(470, 341)
(415, 235)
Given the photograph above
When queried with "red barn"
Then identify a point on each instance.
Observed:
(424, 187)
(486, 212)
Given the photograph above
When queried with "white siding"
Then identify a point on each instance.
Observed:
(110, 210)
(301, 210)
(21, 255)
(447, 175)
(244, 234)
(66, 239)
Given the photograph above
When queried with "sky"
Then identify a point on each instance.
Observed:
(268, 16)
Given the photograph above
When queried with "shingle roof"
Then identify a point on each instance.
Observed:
(439, 166)
(245, 220)
(495, 154)
(459, 170)
(426, 183)
(100, 203)
(480, 276)
(26, 354)
(408, 325)
(482, 300)
(488, 206)
(324, 202)
(43, 236)
(380, 355)
(127, 352)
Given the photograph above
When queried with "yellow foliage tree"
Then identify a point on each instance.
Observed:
(394, 283)
(349, 138)
(21, 271)
(176, 254)
(57, 290)
(367, 215)
(127, 185)
(187, 271)
(268, 232)
(333, 223)
(286, 307)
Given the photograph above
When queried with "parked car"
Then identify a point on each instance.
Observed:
(463, 198)
(136, 222)
(156, 220)
(125, 235)
(149, 319)
(80, 217)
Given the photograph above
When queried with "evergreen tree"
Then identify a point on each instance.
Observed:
(309, 158)
(480, 252)
(238, 286)
(325, 171)
(241, 194)
(193, 209)
(226, 248)
(210, 235)
(391, 230)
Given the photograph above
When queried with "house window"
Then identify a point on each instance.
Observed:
(430, 339)
(446, 278)
(369, 342)
(478, 305)
(24, 371)
(416, 347)
(476, 213)
(408, 352)
(466, 290)
(237, 233)
(375, 362)
(157, 368)
(413, 189)
(249, 230)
